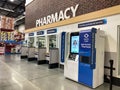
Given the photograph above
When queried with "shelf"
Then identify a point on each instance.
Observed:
(7, 30)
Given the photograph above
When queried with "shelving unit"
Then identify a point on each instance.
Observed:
(10, 41)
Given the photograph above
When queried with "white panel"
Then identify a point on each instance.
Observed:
(31, 52)
(28, 1)
(71, 70)
(98, 73)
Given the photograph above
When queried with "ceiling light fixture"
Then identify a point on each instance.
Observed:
(6, 9)
(12, 0)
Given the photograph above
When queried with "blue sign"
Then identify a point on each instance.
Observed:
(40, 33)
(85, 40)
(88, 56)
(51, 31)
(31, 34)
(63, 46)
(87, 45)
(13, 42)
(93, 23)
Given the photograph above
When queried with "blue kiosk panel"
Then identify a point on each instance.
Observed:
(87, 53)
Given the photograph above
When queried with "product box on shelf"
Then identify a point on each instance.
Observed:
(6, 22)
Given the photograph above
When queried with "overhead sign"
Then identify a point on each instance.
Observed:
(51, 31)
(93, 23)
(31, 34)
(62, 15)
(40, 32)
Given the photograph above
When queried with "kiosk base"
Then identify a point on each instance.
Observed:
(115, 80)
(62, 66)
(42, 62)
(32, 59)
(53, 65)
(23, 57)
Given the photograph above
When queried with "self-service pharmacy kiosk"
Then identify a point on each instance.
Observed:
(71, 62)
(91, 58)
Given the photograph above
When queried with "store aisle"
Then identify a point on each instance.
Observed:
(17, 74)
(11, 80)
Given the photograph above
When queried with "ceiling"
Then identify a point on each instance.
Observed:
(15, 9)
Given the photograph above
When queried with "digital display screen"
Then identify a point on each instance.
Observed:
(74, 44)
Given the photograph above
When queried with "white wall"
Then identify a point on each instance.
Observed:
(110, 37)
(110, 34)
(110, 30)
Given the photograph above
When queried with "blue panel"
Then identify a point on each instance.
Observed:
(13, 42)
(85, 74)
(51, 31)
(93, 50)
(63, 46)
(31, 34)
(85, 43)
(87, 48)
(40, 32)
(93, 23)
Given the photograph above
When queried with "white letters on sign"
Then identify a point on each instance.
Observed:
(62, 15)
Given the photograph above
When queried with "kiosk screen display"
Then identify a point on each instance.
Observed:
(74, 44)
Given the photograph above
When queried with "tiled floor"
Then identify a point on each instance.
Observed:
(17, 74)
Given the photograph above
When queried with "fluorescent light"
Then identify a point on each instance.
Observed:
(6, 9)
(12, 0)
(19, 18)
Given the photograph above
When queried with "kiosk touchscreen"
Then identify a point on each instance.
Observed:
(71, 62)
(74, 45)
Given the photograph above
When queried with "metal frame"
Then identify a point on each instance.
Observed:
(12, 9)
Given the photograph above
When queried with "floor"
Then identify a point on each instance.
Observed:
(17, 74)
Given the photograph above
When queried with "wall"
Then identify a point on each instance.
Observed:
(110, 37)
(41, 8)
